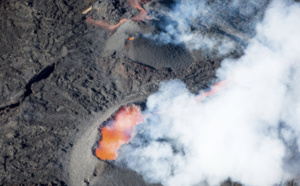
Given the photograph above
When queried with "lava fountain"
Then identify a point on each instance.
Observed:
(119, 131)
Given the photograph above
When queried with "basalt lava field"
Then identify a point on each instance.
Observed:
(124, 92)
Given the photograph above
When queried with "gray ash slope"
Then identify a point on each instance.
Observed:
(57, 74)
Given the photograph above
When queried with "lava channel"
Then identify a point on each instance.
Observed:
(134, 4)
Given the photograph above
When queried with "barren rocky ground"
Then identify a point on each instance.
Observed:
(59, 75)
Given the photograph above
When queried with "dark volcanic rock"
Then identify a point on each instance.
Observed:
(59, 76)
(113, 10)
(149, 53)
(54, 79)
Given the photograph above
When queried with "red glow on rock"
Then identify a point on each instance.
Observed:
(134, 4)
(143, 13)
(213, 90)
(119, 132)
(104, 24)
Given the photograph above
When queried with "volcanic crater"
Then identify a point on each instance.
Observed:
(61, 77)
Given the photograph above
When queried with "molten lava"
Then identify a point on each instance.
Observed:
(213, 90)
(143, 13)
(119, 132)
(134, 4)
(104, 24)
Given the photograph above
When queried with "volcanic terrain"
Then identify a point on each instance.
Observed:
(62, 75)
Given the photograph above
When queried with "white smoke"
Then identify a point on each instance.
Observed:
(209, 25)
(249, 131)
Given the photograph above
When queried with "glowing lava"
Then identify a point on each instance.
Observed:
(134, 4)
(104, 24)
(213, 90)
(143, 13)
(119, 132)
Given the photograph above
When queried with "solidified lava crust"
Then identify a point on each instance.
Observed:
(59, 74)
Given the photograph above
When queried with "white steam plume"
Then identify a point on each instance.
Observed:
(249, 131)
(210, 25)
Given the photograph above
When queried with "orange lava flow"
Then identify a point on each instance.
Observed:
(134, 4)
(104, 24)
(119, 132)
(143, 13)
(213, 90)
